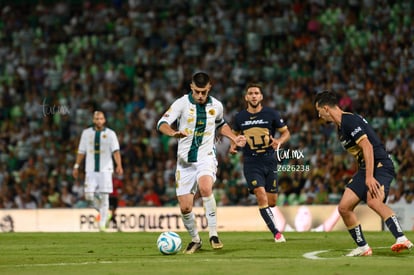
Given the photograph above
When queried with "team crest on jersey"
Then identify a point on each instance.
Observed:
(103, 136)
(212, 112)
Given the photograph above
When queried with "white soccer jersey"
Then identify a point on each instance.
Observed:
(199, 122)
(98, 146)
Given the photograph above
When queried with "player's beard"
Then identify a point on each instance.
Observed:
(254, 106)
(201, 101)
(99, 127)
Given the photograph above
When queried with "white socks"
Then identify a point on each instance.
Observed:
(191, 226)
(104, 209)
(210, 208)
(100, 202)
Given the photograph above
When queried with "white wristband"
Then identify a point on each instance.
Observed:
(76, 166)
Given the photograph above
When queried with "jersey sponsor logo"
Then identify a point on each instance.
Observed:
(254, 122)
(201, 134)
(356, 131)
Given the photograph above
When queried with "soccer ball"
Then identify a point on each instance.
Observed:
(169, 243)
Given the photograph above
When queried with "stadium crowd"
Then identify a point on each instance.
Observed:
(60, 60)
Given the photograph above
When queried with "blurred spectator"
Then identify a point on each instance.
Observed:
(67, 199)
(150, 197)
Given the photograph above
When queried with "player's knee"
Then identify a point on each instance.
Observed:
(374, 203)
(343, 210)
(185, 209)
(206, 191)
(105, 200)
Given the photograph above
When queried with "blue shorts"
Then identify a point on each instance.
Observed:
(261, 171)
(384, 174)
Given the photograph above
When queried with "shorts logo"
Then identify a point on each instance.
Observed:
(254, 183)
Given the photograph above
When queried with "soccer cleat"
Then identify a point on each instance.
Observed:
(193, 247)
(400, 246)
(279, 238)
(215, 242)
(360, 251)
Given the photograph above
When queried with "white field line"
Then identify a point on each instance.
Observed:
(314, 255)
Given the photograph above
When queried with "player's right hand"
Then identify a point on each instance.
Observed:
(75, 173)
(180, 134)
(240, 141)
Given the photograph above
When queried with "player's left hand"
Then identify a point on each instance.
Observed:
(119, 170)
(374, 188)
(233, 148)
(180, 134)
(275, 143)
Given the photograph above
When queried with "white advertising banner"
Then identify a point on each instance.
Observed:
(140, 219)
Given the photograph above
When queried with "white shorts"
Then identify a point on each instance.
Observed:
(98, 182)
(188, 173)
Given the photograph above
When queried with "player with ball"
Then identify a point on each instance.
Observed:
(198, 116)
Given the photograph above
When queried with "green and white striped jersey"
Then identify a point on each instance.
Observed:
(98, 146)
(200, 122)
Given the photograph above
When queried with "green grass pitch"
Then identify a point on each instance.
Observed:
(243, 253)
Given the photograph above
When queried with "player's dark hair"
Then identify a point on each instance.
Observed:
(254, 85)
(326, 98)
(200, 79)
